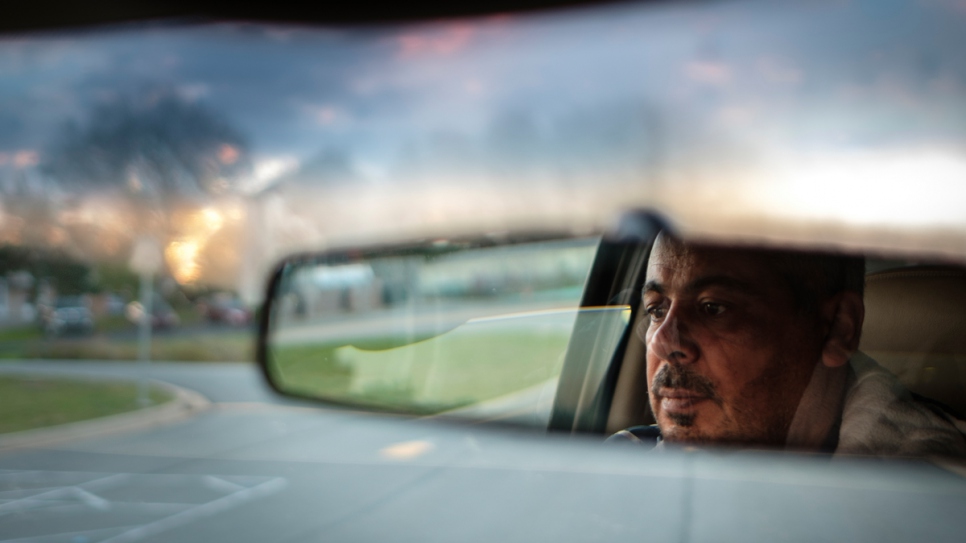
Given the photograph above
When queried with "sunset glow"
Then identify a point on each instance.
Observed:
(182, 258)
(202, 238)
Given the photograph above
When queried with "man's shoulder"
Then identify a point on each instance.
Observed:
(882, 417)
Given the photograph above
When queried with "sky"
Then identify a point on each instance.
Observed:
(644, 103)
(503, 89)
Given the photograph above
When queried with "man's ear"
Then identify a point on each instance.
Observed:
(843, 314)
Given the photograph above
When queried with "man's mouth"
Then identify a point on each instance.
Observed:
(679, 400)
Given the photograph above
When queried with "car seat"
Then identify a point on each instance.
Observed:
(915, 326)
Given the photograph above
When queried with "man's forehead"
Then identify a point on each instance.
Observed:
(679, 257)
(672, 253)
(675, 263)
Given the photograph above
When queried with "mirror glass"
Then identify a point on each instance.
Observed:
(474, 329)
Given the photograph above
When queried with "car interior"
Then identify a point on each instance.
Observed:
(913, 322)
(913, 327)
(914, 319)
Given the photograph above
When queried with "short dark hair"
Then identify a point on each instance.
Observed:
(813, 277)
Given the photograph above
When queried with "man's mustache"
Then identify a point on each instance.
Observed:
(681, 377)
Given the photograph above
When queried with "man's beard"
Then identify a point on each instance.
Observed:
(680, 377)
(742, 424)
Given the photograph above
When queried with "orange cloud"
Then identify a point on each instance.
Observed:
(228, 154)
(25, 158)
(437, 42)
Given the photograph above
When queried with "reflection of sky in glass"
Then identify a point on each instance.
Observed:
(724, 111)
(507, 88)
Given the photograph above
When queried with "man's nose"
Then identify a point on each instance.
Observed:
(672, 340)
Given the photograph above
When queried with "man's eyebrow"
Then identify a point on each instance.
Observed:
(652, 286)
(723, 281)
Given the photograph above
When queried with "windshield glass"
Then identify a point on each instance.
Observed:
(305, 267)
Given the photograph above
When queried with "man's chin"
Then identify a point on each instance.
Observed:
(684, 428)
(684, 436)
(699, 435)
(683, 420)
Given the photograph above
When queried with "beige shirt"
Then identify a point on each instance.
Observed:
(879, 416)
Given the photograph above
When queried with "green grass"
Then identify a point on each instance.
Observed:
(22, 332)
(113, 323)
(456, 369)
(33, 331)
(231, 347)
(30, 403)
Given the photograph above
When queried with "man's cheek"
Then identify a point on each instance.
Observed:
(651, 366)
(736, 337)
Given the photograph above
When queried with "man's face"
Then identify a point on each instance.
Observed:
(728, 353)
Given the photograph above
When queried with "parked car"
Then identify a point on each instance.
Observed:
(224, 308)
(68, 314)
(162, 314)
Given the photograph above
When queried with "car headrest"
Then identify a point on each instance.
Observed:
(915, 325)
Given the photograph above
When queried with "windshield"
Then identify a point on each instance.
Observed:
(332, 270)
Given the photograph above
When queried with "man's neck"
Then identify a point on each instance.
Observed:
(816, 422)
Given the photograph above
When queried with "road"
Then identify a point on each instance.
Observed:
(220, 382)
(253, 469)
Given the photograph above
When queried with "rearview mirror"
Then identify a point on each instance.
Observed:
(477, 328)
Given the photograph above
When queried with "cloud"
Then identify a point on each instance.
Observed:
(324, 115)
(25, 158)
(779, 71)
(228, 154)
(267, 170)
(709, 72)
(434, 41)
(291, 91)
(193, 91)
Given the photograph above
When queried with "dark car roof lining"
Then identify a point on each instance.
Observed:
(56, 15)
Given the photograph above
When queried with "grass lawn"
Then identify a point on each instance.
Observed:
(21, 332)
(37, 402)
(233, 346)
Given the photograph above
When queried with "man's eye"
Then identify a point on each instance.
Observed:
(713, 309)
(656, 312)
